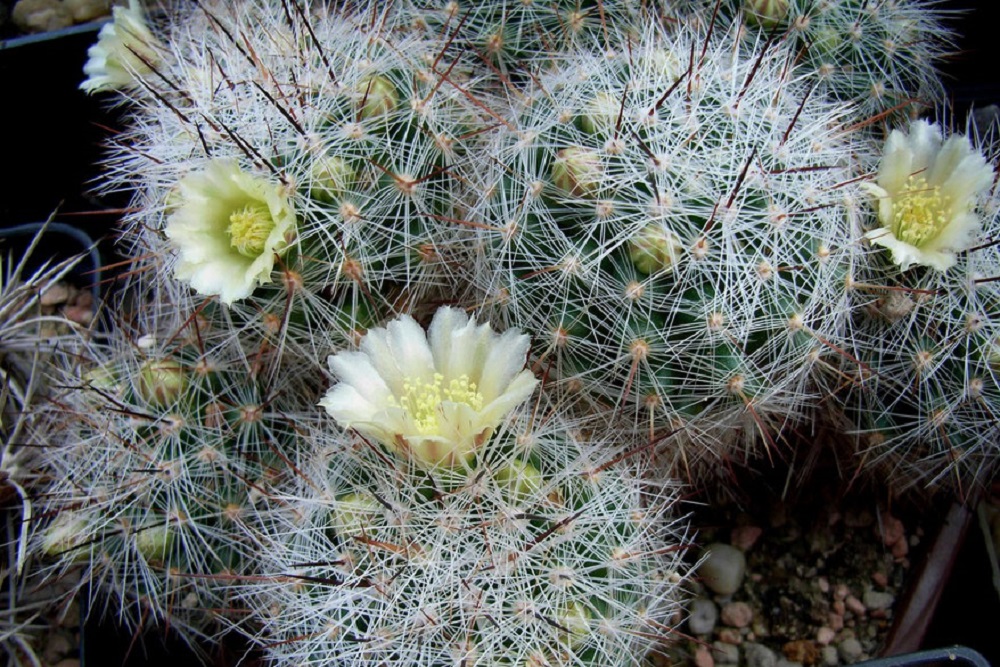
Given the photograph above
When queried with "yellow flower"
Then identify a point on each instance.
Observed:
(433, 398)
(125, 49)
(927, 190)
(228, 228)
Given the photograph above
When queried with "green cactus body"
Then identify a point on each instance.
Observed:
(879, 56)
(542, 550)
(361, 153)
(164, 469)
(681, 239)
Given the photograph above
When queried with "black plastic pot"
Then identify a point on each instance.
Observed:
(959, 656)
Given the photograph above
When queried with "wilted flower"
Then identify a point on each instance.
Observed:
(125, 48)
(435, 398)
(228, 228)
(927, 190)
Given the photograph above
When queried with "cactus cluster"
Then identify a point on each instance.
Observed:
(695, 237)
(925, 391)
(170, 443)
(670, 229)
(542, 550)
(881, 56)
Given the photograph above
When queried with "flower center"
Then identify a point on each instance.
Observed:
(249, 228)
(920, 212)
(423, 400)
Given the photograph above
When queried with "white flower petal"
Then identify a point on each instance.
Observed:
(519, 390)
(409, 349)
(422, 398)
(897, 162)
(927, 190)
(356, 370)
(959, 235)
(124, 51)
(924, 143)
(971, 176)
(504, 360)
(446, 322)
(348, 406)
(215, 259)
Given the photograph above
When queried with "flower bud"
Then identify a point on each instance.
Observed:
(331, 176)
(578, 171)
(654, 249)
(67, 536)
(161, 382)
(766, 13)
(354, 514)
(153, 542)
(601, 114)
(519, 479)
(376, 96)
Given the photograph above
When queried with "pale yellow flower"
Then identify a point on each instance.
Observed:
(927, 190)
(435, 398)
(125, 49)
(228, 228)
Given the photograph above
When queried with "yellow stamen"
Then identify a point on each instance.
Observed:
(249, 228)
(920, 212)
(423, 400)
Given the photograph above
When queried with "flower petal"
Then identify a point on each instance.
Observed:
(897, 163)
(356, 369)
(503, 361)
(348, 406)
(410, 352)
(518, 391)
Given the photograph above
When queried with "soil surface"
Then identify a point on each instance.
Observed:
(824, 571)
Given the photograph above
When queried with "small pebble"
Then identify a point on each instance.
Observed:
(825, 636)
(836, 622)
(703, 617)
(841, 592)
(82, 316)
(730, 636)
(782, 662)
(855, 606)
(829, 656)
(758, 655)
(880, 579)
(850, 650)
(57, 646)
(723, 568)
(54, 295)
(703, 657)
(877, 600)
(737, 614)
(892, 530)
(824, 584)
(71, 619)
(899, 549)
(744, 537)
(802, 651)
(725, 654)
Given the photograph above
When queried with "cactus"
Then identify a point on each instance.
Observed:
(295, 168)
(545, 549)
(28, 338)
(925, 392)
(165, 443)
(880, 56)
(673, 235)
(515, 38)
